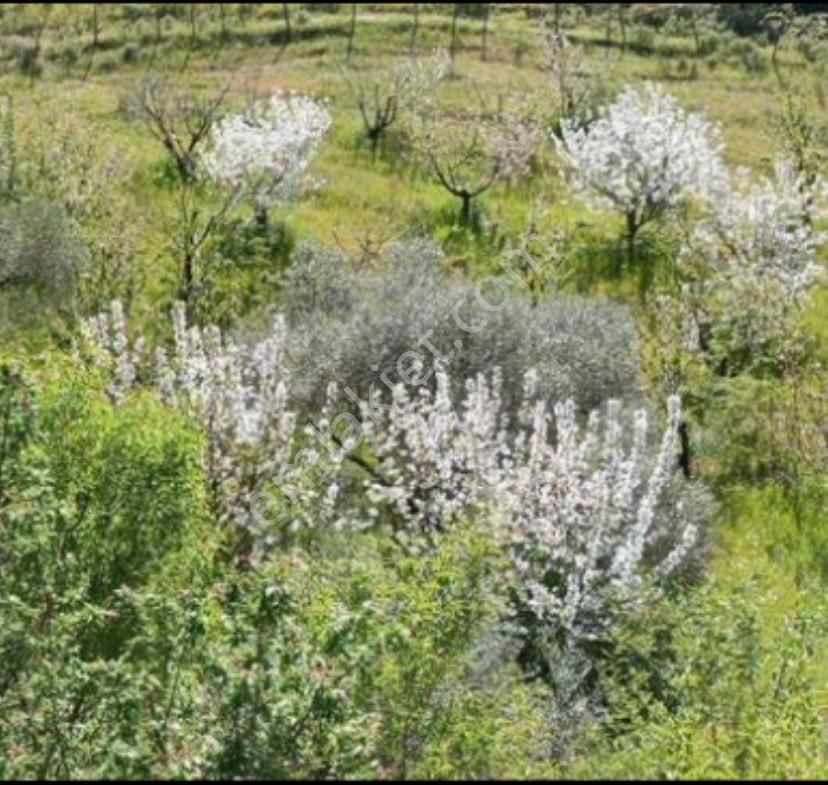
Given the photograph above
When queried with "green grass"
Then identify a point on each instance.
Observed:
(770, 538)
(361, 196)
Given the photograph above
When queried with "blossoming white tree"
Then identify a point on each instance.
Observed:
(267, 149)
(237, 391)
(588, 514)
(642, 157)
(752, 260)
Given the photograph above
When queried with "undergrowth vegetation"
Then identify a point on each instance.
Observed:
(406, 391)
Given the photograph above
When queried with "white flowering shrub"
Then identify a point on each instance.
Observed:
(592, 515)
(751, 262)
(642, 156)
(237, 391)
(267, 150)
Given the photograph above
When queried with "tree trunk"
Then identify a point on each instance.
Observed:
(775, 62)
(486, 7)
(622, 25)
(694, 29)
(95, 28)
(413, 43)
(187, 277)
(286, 16)
(632, 231)
(192, 26)
(465, 208)
(260, 213)
(351, 32)
(453, 46)
(685, 460)
(374, 139)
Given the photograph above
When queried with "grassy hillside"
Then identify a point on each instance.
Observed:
(144, 635)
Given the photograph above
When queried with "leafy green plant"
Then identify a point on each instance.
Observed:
(41, 260)
(703, 689)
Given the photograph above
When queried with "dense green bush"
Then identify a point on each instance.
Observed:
(41, 257)
(703, 689)
(96, 504)
(240, 270)
(133, 646)
(367, 666)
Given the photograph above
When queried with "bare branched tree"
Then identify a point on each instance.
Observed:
(699, 15)
(783, 25)
(486, 11)
(777, 22)
(383, 97)
(180, 120)
(286, 17)
(159, 12)
(378, 105)
(574, 78)
(351, 32)
(471, 152)
(621, 10)
(193, 27)
(454, 14)
(463, 165)
(556, 16)
(96, 26)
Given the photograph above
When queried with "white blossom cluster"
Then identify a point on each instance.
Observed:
(643, 155)
(762, 234)
(419, 78)
(592, 515)
(585, 501)
(105, 336)
(237, 391)
(267, 149)
(589, 513)
(752, 260)
(748, 264)
(516, 137)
